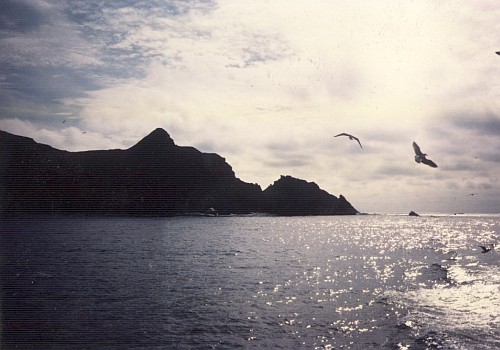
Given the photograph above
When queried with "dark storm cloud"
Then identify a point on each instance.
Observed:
(19, 16)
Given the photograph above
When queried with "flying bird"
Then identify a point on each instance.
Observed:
(350, 138)
(486, 250)
(421, 157)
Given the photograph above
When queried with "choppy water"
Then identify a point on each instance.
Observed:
(360, 282)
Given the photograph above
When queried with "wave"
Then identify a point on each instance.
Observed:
(460, 310)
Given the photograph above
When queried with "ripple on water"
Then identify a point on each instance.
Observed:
(318, 282)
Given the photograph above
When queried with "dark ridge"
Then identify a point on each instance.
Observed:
(153, 177)
(291, 196)
(158, 139)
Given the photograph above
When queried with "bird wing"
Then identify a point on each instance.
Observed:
(417, 150)
(429, 162)
(343, 134)
(358, 141)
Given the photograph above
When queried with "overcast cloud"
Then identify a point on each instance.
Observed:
(267, 84)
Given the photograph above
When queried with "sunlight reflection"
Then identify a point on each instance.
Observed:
(344, 276)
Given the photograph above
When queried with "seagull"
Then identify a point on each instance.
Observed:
(421, 157)
(350, 138)
(486, 250)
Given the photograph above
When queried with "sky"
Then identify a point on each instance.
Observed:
(267, 84)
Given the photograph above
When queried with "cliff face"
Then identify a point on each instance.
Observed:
(290, 196)
(153, 177)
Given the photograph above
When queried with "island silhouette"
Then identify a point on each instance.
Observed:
(155, 177)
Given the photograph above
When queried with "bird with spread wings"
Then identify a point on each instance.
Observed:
(350, 138)
(421, 157)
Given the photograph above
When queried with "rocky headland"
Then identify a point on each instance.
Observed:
(153, 177)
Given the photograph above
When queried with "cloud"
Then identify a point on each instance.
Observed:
(285, 163)
(44, 59)
(484, 125)
(267, 85)
(38, 93)
(67, 138)
(37, 33)
(21, 16)
(470, 138)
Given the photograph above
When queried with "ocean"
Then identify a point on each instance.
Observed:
(250, 282)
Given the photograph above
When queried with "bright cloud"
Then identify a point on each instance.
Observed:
(267, 84)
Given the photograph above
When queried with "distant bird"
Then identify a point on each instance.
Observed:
(350, 138)
(64, 121)
(421, 157)
(486, 250)
(84, 132)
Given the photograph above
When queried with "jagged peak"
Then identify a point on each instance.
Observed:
(157, 138)
(287, 180)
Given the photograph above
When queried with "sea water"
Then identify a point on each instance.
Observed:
(349, 282)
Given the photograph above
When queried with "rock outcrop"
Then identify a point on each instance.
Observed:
(290, 196)
(153, 177)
